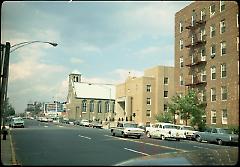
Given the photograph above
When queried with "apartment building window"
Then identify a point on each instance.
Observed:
(213, 73)
(148, 88)
(181, 44)
(222, 6)
(165, 94)
(84, 106)
(213, 51)
(212, 31)
(237, 20)
(223, 70)
(148, 101)
(203, 34)
(203, 75)
(181, 27)
(224, 92)
(224, 116)
(213, 94)
(237, 43)
(181, 62)
(203, 95)
(213, 117)
(203, 14)
(223, 48)
(107, 104)
(165, 80)
(148, 113)
(99, 107)
(193, 17)
(203, 54)
(165, 108)
(212, 10)
(181, 80)
(91, 106)
(222, 26)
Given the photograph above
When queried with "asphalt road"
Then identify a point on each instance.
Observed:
(55, 145)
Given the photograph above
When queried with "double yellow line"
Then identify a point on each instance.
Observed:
(14, 161)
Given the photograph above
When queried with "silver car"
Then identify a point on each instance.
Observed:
(218, 135)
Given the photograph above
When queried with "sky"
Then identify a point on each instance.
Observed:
(102, 40)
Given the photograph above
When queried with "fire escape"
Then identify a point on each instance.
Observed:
(196, 61)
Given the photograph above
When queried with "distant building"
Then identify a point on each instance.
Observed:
(91, 101)
(207, 58)
(53, 109)
(141, 99)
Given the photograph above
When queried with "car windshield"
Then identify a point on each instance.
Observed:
(170, 127)
(17, 119)
(129, 125)
(187, 128)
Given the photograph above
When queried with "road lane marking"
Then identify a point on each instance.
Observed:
(151, 144)
(85, 137)
(136, 151)
(201, 147)
(14, 161)
(45, 126)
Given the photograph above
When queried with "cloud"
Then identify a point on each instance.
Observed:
(76, 60)
(122, 74)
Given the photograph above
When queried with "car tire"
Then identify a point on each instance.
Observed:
(198, 139)
(177, 139)
(219, 142)
(113, 134)
(163, 137)
(138, 137)
(148, 135)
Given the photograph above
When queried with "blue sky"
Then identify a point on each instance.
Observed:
(101, 40)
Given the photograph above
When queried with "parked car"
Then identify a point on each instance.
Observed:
(84, 122)
(218, 135)
(126, 129)
(96, 124)
(164, 131)
(16, 122)
(188, 131)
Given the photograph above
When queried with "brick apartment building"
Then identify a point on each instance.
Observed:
(207, 57)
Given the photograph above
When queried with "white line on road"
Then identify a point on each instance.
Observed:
(151, 144)
(201, 147)
(45, 126)
(136, 151)
(84, 137)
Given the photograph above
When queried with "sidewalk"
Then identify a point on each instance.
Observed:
(6, 151)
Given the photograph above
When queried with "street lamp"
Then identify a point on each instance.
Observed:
(4, 62)
(22, 44)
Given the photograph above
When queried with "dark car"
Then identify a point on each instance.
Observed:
(217, 135)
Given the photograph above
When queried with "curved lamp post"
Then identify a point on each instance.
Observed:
(5, 54)
(22, 44)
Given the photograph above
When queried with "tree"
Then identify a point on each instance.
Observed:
(164, 117)
(189, 107)
(9, 110)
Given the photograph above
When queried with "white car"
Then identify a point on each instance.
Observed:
(126, 129)
(188, 131)
(164, 131)
(84, 122)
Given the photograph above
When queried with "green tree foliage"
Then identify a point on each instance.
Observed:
(9, 110)
(164, 117)
(189, 107)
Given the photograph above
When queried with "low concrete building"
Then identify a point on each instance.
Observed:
(141, 99)
(91, 101)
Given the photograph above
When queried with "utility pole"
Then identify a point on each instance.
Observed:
(4, 78)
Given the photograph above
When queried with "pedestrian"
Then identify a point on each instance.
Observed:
(4, 132)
